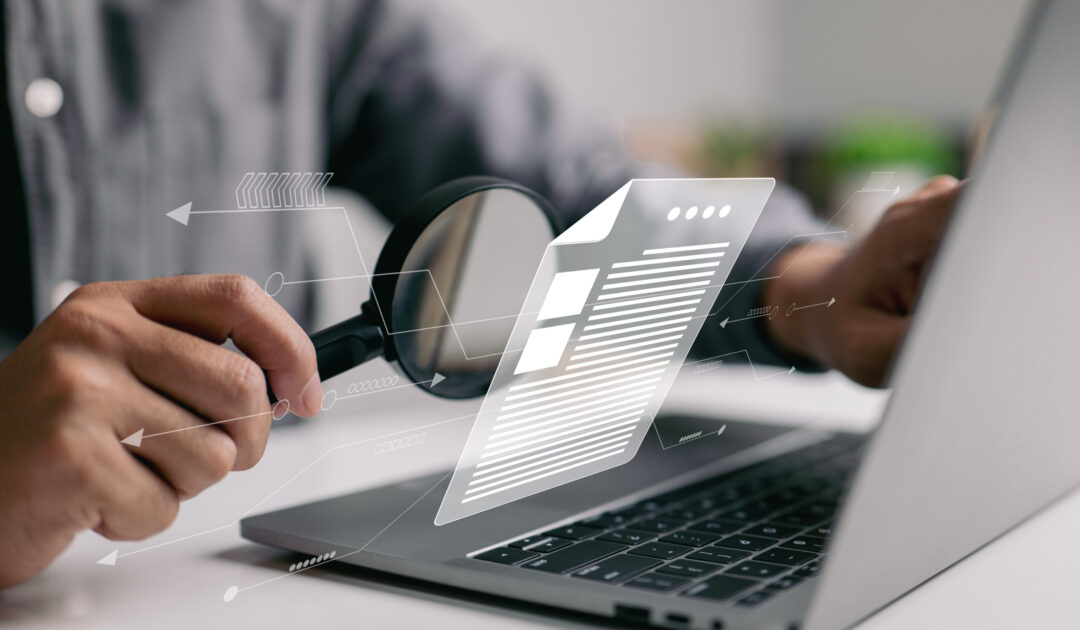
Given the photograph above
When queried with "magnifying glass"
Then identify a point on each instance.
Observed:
(448, 287)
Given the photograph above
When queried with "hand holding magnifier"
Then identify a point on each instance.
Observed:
(448, 287)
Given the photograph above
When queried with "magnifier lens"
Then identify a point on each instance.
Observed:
(462, 286)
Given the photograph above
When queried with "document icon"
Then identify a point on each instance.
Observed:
(613, 310)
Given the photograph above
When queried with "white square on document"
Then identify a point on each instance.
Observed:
(567, 293)
(544, 348)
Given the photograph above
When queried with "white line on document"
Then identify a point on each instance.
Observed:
(669, 259)
(684, 248)
(637, 283)
(649, 272)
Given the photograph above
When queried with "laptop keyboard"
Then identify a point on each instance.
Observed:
(743, 536)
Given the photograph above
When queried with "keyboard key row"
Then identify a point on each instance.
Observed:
(789, 557)
(690, 538)
(754, 569)
(616, 568)
(628, 536)
(663, 551)
(573, 532)
(574, 556)
(718, 555)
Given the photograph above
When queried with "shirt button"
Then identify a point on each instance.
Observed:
(60, 292)
(43, 97)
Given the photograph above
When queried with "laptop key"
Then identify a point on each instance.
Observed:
(506, 555)
(726, 496)
(616, 568)
(754, 569)
(684, 514)
(718, 526)
(690, 538)
(786, 497)
(573, 532)
(718, 555)
(574, 556)
(664, 551)
(655, 582)
(659, 525)
(797, 518)
(819, 510)
(704, 505)
(809, 570)
(822, 531)
(528, 540)
(784, 583)
(805, 543)
(748, 514)
(772, 530)
(628, 536)
(746, 543)
(790, 557)
(719, 587)
(550, 544)
(687, 568)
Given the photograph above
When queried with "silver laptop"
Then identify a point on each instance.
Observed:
(774, 528)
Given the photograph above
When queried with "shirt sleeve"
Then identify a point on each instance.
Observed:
(414, 102)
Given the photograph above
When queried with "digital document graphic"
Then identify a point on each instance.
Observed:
(599, 342)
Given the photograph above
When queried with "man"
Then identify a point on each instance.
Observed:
(131, 108)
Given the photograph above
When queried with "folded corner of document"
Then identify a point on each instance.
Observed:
(617, 302)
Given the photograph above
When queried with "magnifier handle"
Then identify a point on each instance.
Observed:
(344, 346)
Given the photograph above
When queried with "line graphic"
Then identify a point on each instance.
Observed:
(793, 308)
(233, 591)
(111, 558)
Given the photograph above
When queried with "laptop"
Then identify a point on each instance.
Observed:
(771, 527)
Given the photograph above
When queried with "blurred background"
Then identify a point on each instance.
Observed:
(819, 93)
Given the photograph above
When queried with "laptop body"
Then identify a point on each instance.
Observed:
(978, 435)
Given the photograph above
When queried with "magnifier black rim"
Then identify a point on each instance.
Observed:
(408, 230)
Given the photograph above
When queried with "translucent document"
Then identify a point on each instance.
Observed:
(598, 343)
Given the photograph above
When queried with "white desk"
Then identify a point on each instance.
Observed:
(1025, 579)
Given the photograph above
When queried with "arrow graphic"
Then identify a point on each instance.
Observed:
(183, 214)
(686, 439)
(135, 439)
(793, 308)
(717, 359)
(728, 320)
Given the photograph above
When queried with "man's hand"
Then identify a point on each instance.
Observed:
(875, 286)
(118, 357)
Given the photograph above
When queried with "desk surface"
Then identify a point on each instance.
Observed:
(177, 579)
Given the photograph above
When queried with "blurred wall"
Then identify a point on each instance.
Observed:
(795, 64)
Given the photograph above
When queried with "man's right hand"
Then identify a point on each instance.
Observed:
(118, 357)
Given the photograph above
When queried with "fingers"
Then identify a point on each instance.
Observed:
(872, 344)
(220, 307)
(918, 223)
(189, 455)
(936, 185)
(218, 384)
(132, 502)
